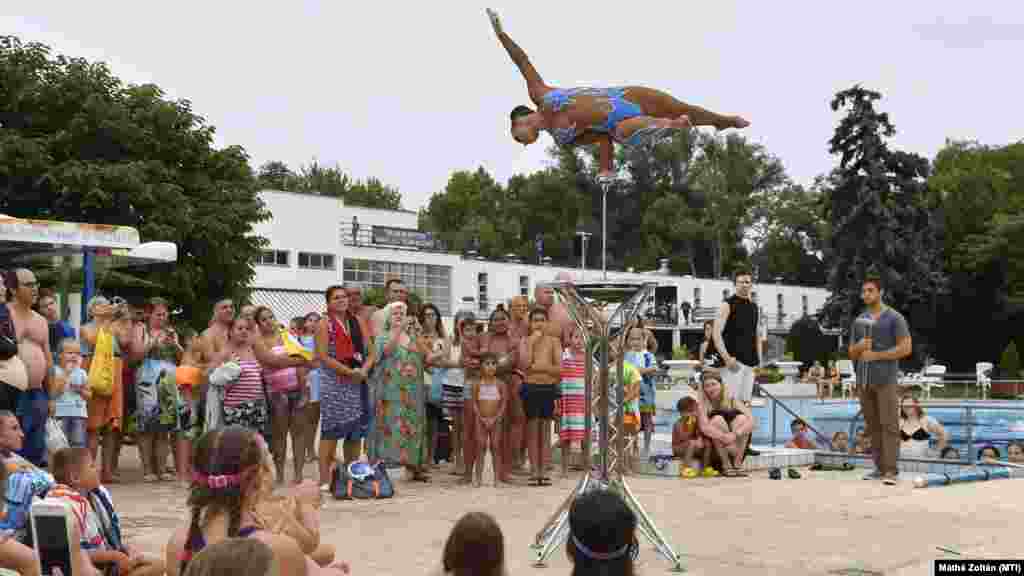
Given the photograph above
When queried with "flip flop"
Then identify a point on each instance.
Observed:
(730, 473)
(775, 474)
(793, 473)
(545, 481)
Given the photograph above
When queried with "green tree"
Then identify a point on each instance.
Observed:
(372, 193)
(788, 234)
(315, 178)
(1009, 362)
(981, 191)
(880, 215)
(731, 172)
(276, 175)
(76, 144)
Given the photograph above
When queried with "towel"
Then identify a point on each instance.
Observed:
(293, 347)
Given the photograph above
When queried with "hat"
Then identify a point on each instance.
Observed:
(13, 373)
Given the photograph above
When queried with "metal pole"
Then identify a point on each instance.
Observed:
(604, 229)
(969, 420)
(583, 254)
(89, 285)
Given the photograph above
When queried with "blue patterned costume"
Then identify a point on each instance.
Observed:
(619, 109)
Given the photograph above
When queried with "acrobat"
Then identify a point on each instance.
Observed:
(630, 115)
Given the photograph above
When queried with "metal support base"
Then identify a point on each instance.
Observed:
(555, 533)
(603, 404)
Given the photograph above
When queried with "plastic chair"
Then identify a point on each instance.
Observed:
(984, 373)
(847, 377)
(932, 378)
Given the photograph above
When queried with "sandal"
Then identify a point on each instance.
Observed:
(166, 477)
(544, 481)
(793, 473)
(710, 472)
(731, 473)
(688, 473)
(775, 474)
(150, 478)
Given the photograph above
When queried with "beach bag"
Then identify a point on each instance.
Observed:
(361, 481)
(102, 366)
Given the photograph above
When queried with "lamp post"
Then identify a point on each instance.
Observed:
(583, 253)
(606, 184)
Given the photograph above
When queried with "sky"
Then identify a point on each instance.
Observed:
(409, 92)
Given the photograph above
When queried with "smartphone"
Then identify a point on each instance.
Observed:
(50, 522)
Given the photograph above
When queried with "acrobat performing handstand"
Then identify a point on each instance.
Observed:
(630, 115)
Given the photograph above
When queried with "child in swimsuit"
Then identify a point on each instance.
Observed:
(489, 398)
(687, 441)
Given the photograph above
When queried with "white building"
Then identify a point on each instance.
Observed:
(317, 241)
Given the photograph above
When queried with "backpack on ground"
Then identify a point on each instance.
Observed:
(361, 481)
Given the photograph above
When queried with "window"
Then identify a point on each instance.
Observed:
(316, 261)
(432, 283)
(273, 258)
(725, 294)
(481, 285)
(524, 285)
(696, 298)
(803, 300)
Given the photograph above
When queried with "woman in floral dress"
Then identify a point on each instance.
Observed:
(157, 400)
(400, 434)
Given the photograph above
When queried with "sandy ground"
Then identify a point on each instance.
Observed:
(824, 523)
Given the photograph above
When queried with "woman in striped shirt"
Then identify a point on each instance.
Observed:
(245, 402)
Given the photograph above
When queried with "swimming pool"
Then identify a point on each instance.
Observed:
(995, 422)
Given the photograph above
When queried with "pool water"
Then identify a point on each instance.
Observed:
(995, 422)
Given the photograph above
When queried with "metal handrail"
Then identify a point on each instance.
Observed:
(968, 420)
(775, 405)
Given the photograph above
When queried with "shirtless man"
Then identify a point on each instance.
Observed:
(560, 324)
(33, 335)
(215, 337)
(630, 116)
(543, 353)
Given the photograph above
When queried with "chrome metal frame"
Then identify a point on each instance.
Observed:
(600, 334)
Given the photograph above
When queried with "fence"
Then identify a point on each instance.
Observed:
(969, 420)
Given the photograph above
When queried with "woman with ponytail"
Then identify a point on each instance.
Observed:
(602, 535)
(232, 470)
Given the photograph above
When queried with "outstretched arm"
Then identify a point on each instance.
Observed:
(534, 83)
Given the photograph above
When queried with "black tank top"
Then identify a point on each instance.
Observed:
(740, 333)
(711, 354)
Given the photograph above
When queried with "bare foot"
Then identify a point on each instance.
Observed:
(682, 123)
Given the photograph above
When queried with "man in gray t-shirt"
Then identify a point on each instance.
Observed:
(880, 339)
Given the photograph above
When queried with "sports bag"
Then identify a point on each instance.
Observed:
(361, 481)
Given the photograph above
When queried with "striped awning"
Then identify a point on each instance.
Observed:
(287, 304)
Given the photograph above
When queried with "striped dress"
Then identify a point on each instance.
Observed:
(573, 400)
(244, 401)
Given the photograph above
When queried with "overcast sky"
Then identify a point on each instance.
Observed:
(410, 91)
